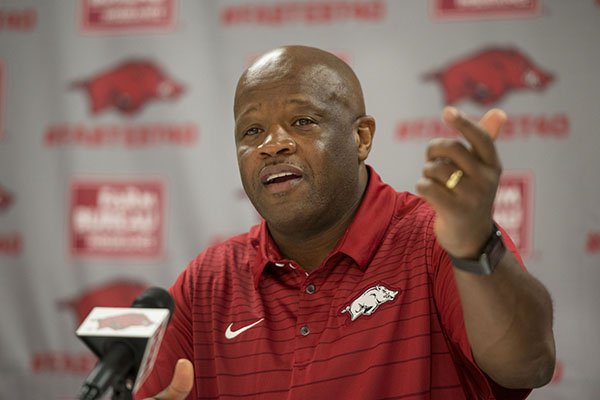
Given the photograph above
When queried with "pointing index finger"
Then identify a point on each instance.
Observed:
(480, 136)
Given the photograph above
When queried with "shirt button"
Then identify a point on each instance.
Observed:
(304, 330)
(311, 288)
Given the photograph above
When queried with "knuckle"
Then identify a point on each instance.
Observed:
(435, 142)
(428, 167)
(440, 143)
(423, 185)
(487, 138)
(440, 147)
(456, 145)
(462, 122)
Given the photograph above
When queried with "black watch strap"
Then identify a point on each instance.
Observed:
(490, 256)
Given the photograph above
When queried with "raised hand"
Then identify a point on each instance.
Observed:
(460, 181)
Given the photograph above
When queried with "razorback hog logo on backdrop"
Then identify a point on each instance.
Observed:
(128, 87)
(488, 75)
(123, 321)
(112, 294)
(5, 199)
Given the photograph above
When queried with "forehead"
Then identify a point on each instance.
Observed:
(282, 95)
(313, 85)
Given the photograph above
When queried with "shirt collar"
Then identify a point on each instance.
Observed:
(360, 241)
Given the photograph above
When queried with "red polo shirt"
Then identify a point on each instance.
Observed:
(379, 319)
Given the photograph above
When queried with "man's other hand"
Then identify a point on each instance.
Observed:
(181, 384)
(463, 206)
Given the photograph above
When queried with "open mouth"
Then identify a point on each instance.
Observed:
(280, 178)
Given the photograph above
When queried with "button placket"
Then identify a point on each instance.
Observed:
(309, 324)
(309, 289)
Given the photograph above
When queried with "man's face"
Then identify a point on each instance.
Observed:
(297, 149)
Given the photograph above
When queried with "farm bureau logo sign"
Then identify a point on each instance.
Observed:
(119, 15)
(116, 218)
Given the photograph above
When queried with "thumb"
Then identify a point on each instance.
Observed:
(492, 121)
(181, 383)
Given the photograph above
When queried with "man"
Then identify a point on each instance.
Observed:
(347, 289)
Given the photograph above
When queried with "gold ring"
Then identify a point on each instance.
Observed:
(454, 179)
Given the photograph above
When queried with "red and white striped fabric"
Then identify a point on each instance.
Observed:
(379, 319)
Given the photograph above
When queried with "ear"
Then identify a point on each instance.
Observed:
(364, 130)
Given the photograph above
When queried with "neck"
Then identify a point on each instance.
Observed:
(309, 251)
(310, 248)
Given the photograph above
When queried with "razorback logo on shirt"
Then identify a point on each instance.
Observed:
(368, 302)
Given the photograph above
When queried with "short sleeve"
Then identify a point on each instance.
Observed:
(177, 340)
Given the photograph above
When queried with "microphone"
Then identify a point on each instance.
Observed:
(126, 341)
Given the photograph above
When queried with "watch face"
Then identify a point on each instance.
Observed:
(493, 252)
(495, 249)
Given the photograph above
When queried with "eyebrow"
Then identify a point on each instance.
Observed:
(305, 103)
(298, 101)
(294, 101)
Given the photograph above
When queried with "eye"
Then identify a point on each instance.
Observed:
(303, 122)
(252, 131)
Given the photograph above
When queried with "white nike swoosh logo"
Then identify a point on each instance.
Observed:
(229, 334)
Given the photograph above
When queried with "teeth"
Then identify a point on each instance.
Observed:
(272, 177)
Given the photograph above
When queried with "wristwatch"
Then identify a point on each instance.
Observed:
(492, 253)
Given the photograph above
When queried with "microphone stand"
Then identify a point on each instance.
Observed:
(122, 390)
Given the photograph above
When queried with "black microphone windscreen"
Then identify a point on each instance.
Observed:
(155, 297)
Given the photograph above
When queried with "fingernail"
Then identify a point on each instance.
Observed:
(450, 113)
(501, 114)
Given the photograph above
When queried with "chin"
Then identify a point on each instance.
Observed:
(285, 218)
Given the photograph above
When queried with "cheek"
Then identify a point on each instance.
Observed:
(340, 151)
(242, 151)
(249, 166)
(244, 157)
(321, 146)
(244, 162)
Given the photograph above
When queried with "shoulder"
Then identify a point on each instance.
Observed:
(411, 228)
(411, 210)
(227, 253)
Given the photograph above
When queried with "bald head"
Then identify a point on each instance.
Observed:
(304, 65)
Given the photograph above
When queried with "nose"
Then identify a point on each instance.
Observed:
(277, 141)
